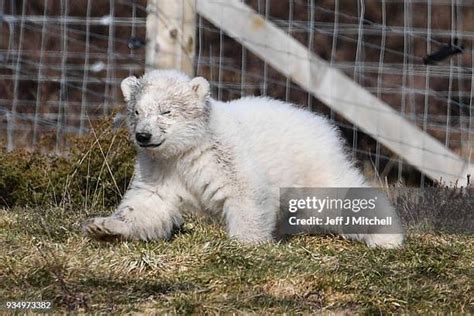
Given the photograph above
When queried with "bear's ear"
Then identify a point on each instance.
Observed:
(201, 87)
(128, 85)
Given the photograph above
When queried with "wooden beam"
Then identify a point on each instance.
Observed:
(335, 89)
(171, 35)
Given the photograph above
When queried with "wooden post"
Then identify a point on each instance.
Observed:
(171, 35)
(335, 89)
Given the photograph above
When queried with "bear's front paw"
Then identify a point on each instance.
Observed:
(105, 228)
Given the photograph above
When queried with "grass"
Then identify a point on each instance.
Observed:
(44, 256)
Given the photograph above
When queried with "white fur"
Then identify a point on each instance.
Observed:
(225, 159)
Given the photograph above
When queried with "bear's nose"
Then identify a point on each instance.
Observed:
(143, 138)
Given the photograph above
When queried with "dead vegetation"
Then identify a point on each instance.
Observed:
(44, 255)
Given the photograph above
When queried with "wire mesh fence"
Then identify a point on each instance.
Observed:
(62, 62)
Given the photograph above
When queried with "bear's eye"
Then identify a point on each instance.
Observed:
(165, 112)
(136, 113)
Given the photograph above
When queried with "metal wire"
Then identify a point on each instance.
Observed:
(61, 63)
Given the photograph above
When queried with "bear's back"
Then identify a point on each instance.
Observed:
(293, 147)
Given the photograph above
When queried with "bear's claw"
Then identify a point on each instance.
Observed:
(105, 228)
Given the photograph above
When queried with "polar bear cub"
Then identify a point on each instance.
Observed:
(225, 159)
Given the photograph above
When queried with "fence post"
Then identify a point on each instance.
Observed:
(171, 35)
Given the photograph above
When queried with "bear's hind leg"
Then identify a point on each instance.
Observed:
(249, 222)
(380, 236)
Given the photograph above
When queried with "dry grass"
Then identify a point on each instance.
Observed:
(44, 256)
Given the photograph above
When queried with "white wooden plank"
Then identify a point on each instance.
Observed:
(336, 90)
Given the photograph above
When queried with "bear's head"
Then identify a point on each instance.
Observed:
(167, 111)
